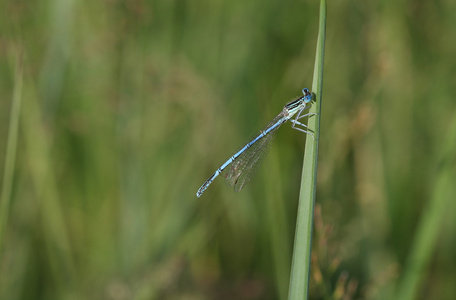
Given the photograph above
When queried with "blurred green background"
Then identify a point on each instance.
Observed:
(127, 107)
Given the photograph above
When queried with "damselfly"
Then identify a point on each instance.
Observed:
(245, 161)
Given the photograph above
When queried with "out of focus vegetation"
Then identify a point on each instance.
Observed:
(126, 107)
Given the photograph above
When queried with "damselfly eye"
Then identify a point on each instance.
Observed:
(307, 95)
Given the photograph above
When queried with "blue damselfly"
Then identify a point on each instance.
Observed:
(245, 161)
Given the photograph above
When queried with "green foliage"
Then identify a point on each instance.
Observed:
(128, 106)
(300, 270)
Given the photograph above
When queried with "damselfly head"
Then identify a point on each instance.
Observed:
(307, 95)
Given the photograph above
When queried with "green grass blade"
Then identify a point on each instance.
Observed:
(300, 269)
(11, 146)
